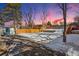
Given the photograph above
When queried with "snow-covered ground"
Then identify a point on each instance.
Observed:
(53, 40)
(71, 48)
(43, 37)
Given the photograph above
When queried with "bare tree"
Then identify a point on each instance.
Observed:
(44, 15)
(63, 7)
(30, 17)
(25, 20)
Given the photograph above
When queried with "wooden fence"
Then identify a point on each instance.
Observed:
(18, 31)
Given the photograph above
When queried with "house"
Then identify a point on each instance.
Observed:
(8, 31)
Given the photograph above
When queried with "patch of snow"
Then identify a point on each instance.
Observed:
(71, 48)
(28, 35)
(72, 52)
(53, 36)
(37, 39)
(43, 35)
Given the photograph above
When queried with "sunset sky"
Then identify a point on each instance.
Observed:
(53, 11)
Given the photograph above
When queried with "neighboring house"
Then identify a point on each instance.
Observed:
(8, 31)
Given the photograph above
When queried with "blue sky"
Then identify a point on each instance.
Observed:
(53, 11)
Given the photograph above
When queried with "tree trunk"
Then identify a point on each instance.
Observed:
(15, 27)
(64, 17)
